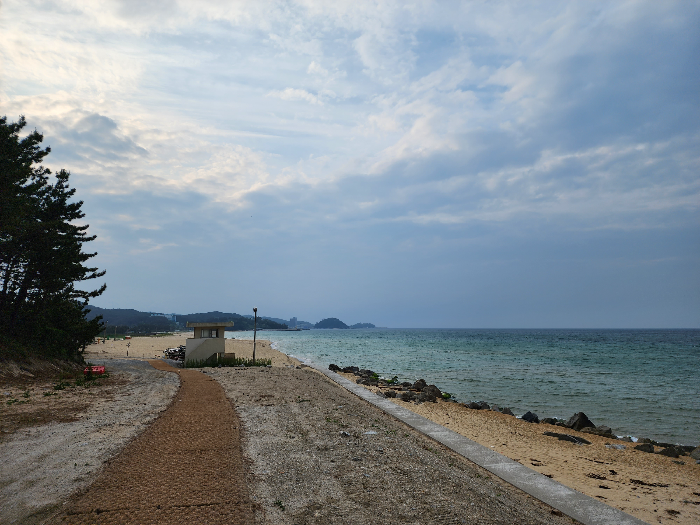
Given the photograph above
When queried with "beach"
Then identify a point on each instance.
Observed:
(653, 488)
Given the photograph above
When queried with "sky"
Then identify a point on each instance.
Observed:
(482, 164)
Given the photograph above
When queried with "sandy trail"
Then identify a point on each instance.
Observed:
(187, 467)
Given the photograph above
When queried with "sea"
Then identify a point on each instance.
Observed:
(641, 383)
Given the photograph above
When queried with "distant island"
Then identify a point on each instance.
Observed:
(333, 322)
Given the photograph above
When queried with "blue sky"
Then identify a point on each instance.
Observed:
(473, 164)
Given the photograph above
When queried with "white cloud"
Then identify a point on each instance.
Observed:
(295, 94)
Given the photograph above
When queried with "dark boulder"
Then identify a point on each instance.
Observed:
(334, 368)
(427, 397)
(419, 385)
(695, 454)
(671, 452)
(350, 370)
(579, 421)
(599, 431)
(507, 411)
(390, 393)
(366, 373)
(407, 396)
(406, 384)
(483, 405)
(645, 447)
(473, 405)
(530, 417)
(495, 408)
(432, 391)
(549, 420)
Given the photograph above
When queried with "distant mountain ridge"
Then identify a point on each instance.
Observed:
(145, 322)
(130, 320)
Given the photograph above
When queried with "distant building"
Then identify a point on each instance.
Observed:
(169, 317)
(293, 322)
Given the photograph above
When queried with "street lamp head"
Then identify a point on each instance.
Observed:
(255, 309)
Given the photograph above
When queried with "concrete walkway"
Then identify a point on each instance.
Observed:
(187, 467)
(571, 502)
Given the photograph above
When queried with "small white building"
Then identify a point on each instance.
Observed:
(208, 341)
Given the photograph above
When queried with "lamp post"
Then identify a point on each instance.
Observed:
(255, 330)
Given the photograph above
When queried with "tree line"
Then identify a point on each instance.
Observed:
(42, 262)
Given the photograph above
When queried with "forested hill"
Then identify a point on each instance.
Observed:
(144, 322)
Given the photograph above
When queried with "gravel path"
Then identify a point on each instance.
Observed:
(321, 455)
(41, 467)
(187, 467)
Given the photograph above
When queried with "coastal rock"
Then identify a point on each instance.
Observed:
(579, 421)
(427, 396)
(407, 396)
(366, 373)
(507, 411)
(550, 420)
(695, 454)
(645, 447)
(599, 431)
(530, 417)
(473, 405)
(483, 405)
(432, 391)
(350, 370)
(390, 393)
(567, 437)
(419, 385)
(406, 384)
(673, 451)
(495, 408)
(334, 368)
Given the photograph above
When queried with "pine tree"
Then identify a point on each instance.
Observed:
(41, 253)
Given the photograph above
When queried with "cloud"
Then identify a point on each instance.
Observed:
(390, 126)
(295, 94)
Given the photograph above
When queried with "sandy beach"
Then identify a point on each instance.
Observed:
(653, 488)
(152, 347)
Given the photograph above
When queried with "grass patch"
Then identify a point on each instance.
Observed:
(226, 362)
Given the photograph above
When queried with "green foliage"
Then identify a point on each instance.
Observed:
(226, 361)
(41, 257)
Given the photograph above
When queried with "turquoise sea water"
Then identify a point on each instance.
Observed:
(644, 383)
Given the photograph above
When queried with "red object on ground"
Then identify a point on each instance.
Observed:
(96, 370)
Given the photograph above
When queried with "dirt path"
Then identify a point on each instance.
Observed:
(187, 467)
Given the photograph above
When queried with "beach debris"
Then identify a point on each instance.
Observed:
(567, 437)
(530, 417)
(344, 434)
(370, 433)
(579, 421)
(646, 484)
